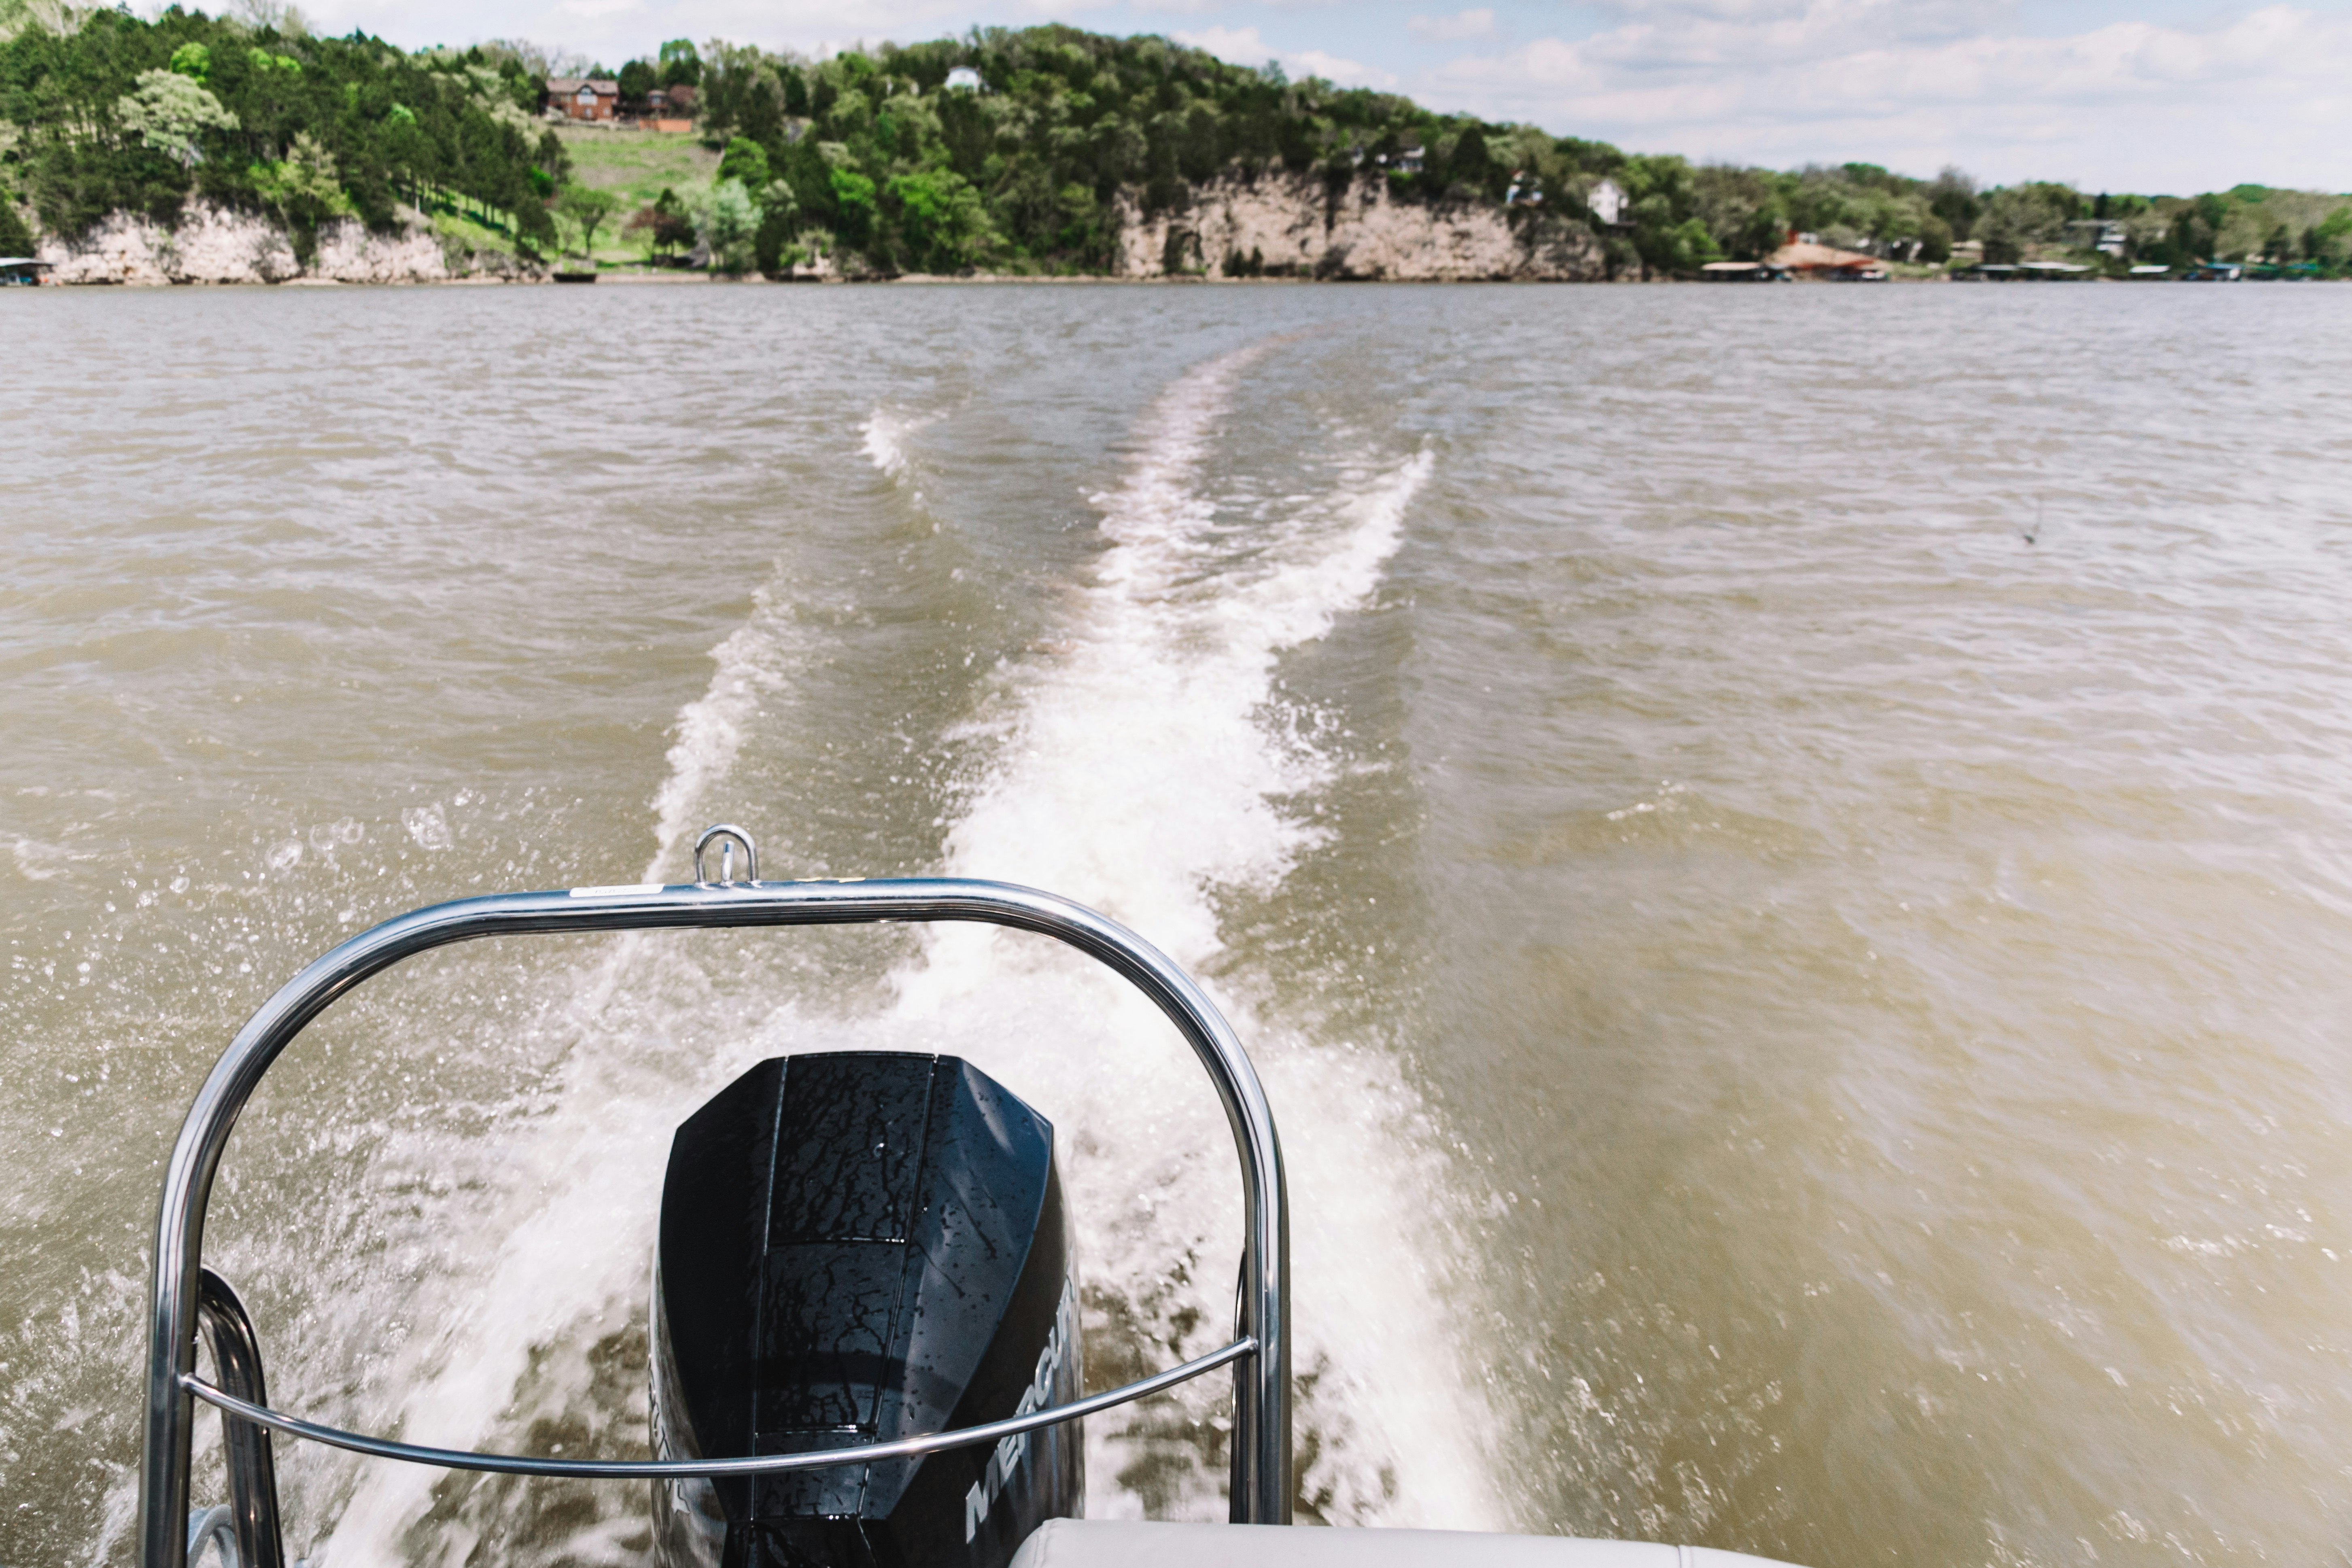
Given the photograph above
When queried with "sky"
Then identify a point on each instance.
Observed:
(2166, 96)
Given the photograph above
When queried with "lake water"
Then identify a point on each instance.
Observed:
(1786, 856)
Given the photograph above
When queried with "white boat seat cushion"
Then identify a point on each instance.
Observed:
(1120, 1543)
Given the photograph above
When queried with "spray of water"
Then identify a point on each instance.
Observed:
(566, 1278)
(887, 435)
(1139, 771)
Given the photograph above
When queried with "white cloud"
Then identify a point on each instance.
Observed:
(1462, 25)
(1332, 68)
(1242, 46)
(1245, 46)
(591, 8)
(1780, 81)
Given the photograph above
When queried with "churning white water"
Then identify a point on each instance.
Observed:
(1141, 767)
(1137, 763)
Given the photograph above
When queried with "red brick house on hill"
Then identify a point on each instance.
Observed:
(583, 98)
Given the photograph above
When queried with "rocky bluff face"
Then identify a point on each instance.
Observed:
(1296, 225)
(215, 245)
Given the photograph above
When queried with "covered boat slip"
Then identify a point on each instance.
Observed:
(1108, 1543)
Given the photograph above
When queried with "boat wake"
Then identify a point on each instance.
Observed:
(1142, 772)
(1144, 766)
(888, 432)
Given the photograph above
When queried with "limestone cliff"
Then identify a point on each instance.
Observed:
(1296, 225)
(214, 244)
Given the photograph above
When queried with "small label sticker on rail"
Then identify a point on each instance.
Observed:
(632, 890)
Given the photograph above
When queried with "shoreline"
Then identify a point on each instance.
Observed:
(676, 278)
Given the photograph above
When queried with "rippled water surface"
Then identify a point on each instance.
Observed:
(1783, 854)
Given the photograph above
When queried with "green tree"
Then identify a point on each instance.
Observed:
(746, 163)
(637, 79)
(303, 189)
(942, 222)
(2324, 241)
(728, 225)
(1934, 240)
(2189, 239)
(853, 206)
(1669, 235)
(2019, 217)
(15, 235)
(587, 207)
(169, 112)
(673, 225)
(666, 223)
(552, 160)
(270, 17)
(1952, 197)
(1683, 249)
(736, 95)
(780, 221)
(680, 64)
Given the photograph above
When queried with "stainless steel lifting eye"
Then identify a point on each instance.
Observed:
(730, 836)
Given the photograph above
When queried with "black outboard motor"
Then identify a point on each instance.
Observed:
(859, 1246)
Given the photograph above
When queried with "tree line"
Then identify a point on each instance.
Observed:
(121, 114)
(1011, 150)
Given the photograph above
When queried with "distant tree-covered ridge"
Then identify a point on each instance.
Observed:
(1013, 151)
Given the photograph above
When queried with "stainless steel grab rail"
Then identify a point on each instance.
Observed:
(252, 1472)
(1261, 1477)
(214, 1528)
(753, 1465)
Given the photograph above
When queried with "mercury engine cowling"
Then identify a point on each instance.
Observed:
(858, 1247)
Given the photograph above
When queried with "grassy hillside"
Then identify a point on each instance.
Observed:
(638, 165)
(635, 167)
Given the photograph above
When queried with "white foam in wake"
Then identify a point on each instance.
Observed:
(572, 1211)
(1138, 773)
(887, 431)
(710, 729)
